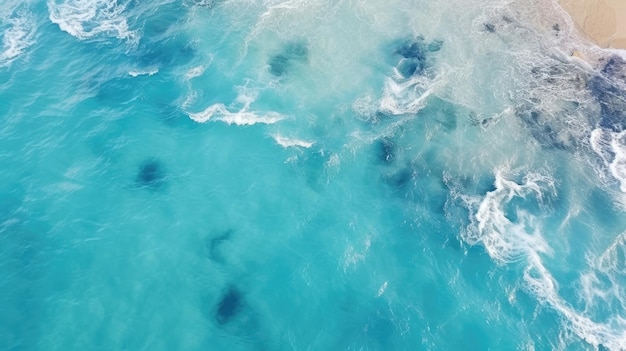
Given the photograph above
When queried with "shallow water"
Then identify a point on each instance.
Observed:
(308, 175)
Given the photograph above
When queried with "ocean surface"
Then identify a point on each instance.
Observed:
(309, 175)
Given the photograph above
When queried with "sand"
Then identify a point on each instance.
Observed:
(602, 21)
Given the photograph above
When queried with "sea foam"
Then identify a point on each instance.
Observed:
(509, 241)
(19, 35)
(86, 19)
(611, 148)
(219, 112)
(289, 142)
(237, 113)
(506, 240)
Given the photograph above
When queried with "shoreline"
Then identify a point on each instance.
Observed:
(603, 22)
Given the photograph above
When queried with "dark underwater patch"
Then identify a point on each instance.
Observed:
(401, 179)
(435, 45)
(490, 27)
(151, 175)
(615, 67)
(229, 306)
(612, 103)
(385, 150)
(279, 65)
(413, 49)
(415, 54)
(292, 53)
(541, 130)
(408, 68)
(297, 50)
(605, 87)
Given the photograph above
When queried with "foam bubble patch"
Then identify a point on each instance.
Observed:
(17, 37)
(86, 19)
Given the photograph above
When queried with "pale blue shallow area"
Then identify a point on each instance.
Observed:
(308, 175)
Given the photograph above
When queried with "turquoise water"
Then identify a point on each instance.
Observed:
(309, 175)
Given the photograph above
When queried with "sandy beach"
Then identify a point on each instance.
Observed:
(602, 21)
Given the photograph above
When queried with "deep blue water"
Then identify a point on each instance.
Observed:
(309, 175)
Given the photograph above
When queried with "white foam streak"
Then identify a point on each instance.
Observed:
(506, 241)
(611, 147)
(250, 118)
(614, 257)
(618, 166)
(85, 19)
(242, 116)
(541, 284)
(195, 72)
(219, 112)
(143, 73)
(17, 38)
(405, 97)
(288, 142)
(382, 289)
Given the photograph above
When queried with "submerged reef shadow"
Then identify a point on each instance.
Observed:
(541, 130)
(385, 150)
(609, 90)
(151, 175)
(415, 55)
(293, 53)
(229, 305)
